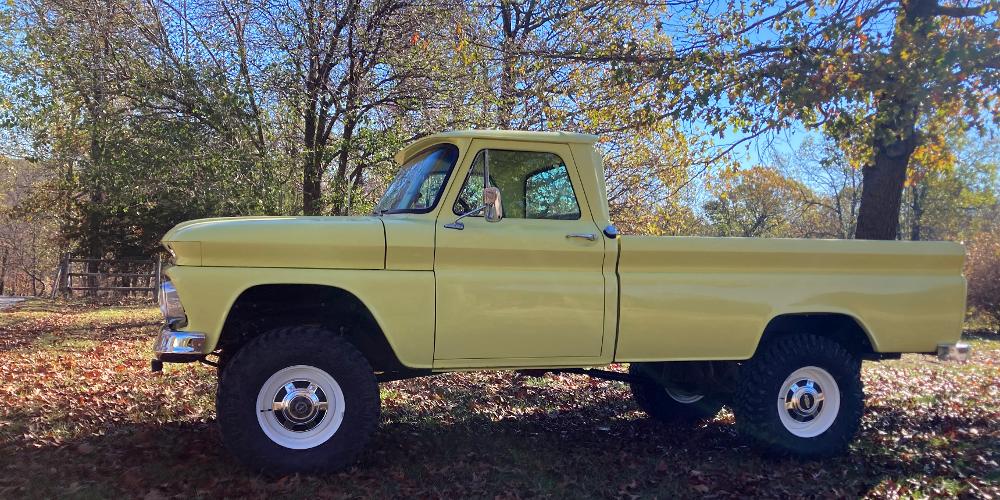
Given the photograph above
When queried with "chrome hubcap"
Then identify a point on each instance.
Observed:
(804, 400)
(808, 401)
(681, 396)
(299, 405)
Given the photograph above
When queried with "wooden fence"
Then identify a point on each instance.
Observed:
(89, 277)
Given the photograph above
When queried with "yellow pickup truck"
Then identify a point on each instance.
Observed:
(495, 250)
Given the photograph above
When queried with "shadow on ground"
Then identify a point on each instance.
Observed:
(564, 454)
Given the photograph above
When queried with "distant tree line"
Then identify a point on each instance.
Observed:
(133, 116)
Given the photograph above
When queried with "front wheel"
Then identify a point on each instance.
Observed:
(298, 399)
(802, 396)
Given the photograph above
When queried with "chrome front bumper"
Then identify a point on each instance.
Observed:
(953, 352)
(179, 347)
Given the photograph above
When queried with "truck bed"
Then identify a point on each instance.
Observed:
(696, 298)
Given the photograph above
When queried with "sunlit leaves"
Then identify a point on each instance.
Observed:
(757, 202)
(80, 414)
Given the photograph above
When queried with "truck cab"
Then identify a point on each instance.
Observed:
(538, 280)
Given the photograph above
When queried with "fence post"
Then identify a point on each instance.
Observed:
(67, 279)
(57, 282)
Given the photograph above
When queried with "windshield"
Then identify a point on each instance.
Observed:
(420, 182)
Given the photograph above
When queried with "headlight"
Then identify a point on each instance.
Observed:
(170, 304)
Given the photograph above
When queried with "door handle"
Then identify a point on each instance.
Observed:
(585, 236)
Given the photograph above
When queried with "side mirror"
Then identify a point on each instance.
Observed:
(493, 209)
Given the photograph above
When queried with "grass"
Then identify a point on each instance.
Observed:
(82, 416)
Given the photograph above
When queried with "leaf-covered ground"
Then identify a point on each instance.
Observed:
(81, 415)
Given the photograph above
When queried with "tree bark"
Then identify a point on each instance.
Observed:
(341, 206)
(355, 60)
(917, 215)
(312, 167)
(3, 270)
(881, 196)
(506, 100)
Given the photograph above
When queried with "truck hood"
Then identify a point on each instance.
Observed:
(301, 242)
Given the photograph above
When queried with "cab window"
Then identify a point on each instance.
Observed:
(533, 185)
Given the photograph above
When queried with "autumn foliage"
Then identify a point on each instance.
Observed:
(982, 271)
(82, 416)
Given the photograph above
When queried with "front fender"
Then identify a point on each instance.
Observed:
(402, 302)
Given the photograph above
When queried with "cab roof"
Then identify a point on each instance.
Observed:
(510, 135)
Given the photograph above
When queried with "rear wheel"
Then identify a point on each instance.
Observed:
(667, 402)
(801, 395)
(297, 399)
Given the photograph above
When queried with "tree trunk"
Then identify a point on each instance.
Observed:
(894, 134)
(506, 100)
(3, 269)
(312, 171)
(312, 141)
(881, 196)
(341, 206)
(355, 56)
(34, 264)
(312, 114)
(94, 233)
(917, 215)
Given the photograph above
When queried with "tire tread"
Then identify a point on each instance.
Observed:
(655, 402)
(258, 352)
(754, 401)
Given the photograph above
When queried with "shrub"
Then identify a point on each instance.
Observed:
(982, 270)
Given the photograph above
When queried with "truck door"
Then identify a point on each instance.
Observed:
(531, 286)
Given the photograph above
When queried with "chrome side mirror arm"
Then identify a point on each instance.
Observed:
(492, 209)
(458, 222)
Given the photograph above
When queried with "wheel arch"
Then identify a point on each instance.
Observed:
(262, 307)
(842, 327)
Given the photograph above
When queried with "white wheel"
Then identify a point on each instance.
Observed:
(682, 396)
(808, 402)
(300, 407)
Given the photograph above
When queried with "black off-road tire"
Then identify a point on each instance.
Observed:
(247, 371)
(760, 383)
(222, 362)
(654, 399)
